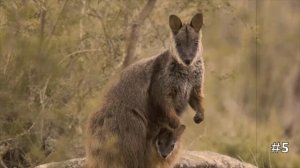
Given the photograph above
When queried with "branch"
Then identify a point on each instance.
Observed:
(94, 13)
(77, 52)
(81, 26)
(2, 163)
(57, 19)
(19, 135)
(43, 11)
(135, 31)
(42, 101)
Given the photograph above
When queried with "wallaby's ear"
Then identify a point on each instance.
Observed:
(197, 22)
(175, 23)
(180, 130)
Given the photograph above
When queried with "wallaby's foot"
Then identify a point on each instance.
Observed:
(198, 118)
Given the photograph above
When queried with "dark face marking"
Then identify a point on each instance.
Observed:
(165, 143)
(186, 41)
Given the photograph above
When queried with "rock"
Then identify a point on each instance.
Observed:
(206, 159)
(189, 159)
(72, 163)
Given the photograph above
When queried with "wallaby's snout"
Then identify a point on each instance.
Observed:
(164, 155)
(187, 61)
(166, 149)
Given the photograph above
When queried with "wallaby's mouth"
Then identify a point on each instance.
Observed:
(187, 61)
(164, 155)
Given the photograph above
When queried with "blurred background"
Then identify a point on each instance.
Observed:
(57, 57)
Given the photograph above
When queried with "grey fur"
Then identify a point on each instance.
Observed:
(149, 93)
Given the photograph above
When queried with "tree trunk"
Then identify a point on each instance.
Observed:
(135, 32)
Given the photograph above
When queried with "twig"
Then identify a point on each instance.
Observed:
(77, 52)
(8, 60)
(2, 163)
(94, 13)
(33, 124)
(81, 26)
(42, 95)
(57, 19)
(19, 135)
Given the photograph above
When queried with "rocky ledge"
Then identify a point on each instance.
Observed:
(189, 159)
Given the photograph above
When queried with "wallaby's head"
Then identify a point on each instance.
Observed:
(186, 38)
(166, 141)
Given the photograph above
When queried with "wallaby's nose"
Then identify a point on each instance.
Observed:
(164, 155)
(187, 61)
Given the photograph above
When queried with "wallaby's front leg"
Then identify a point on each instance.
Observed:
(169, 112)
(168, 115)
(172, 117)
(163, 106)
(196, 102)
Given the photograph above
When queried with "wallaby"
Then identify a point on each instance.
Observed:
(163, 150)
(150, 92)
(178, 74)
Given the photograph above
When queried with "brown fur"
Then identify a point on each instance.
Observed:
(150, 92)
(154, 158)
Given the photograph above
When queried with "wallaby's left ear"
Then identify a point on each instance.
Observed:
(175, 23)
(180, 130)
(197, 22)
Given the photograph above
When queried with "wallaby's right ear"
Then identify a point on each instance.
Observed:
(175, 23)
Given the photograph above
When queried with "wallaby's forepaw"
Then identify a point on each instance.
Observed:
(198, 118)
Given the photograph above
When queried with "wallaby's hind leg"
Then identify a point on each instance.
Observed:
(133, 141)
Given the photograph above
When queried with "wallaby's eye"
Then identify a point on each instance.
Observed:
(178, 44)
(172, 146)
(196, 43)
